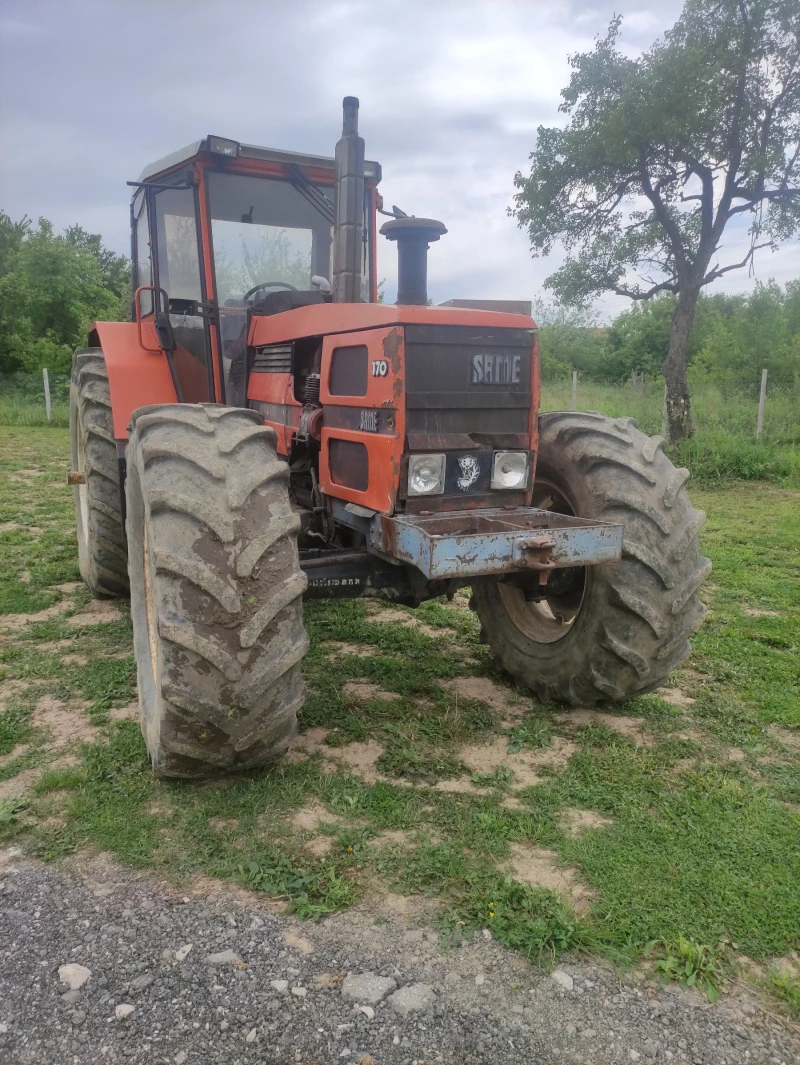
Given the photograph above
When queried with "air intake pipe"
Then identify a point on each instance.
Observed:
(348, 233)
(413, 235)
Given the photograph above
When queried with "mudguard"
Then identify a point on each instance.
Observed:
(137, 376)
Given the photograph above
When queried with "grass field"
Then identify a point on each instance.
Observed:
(666, 827)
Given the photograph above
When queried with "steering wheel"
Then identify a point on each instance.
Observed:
(268, 284)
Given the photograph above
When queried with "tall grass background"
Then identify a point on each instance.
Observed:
(723, 449)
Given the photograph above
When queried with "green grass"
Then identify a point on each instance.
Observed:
(701, 851)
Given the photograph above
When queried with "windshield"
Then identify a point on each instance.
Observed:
(265, 230)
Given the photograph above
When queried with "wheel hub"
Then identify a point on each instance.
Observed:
(547, 615)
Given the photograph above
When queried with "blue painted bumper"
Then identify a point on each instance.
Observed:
(482, 542)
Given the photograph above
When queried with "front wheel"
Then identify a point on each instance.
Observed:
(613, 631)
(216, 589)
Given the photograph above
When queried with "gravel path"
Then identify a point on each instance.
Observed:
(164, 979)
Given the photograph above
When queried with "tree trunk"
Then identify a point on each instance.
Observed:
(679, 415)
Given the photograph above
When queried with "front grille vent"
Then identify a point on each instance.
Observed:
(274, 358)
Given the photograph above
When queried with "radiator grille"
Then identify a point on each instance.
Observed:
(274, 358)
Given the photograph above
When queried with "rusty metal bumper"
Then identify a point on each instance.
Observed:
(481, 542)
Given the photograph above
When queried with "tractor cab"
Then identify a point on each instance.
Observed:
(219, 229)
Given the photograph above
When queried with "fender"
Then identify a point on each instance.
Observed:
(137, 376)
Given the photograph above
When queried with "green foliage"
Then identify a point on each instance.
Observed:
(692, 965)
(52, 287)
(313, 892)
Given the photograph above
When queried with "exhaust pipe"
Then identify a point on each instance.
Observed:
(413, 235)
(348, 232)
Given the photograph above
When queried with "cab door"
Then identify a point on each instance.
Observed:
(179, 282)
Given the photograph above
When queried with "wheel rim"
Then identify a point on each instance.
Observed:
(552, 618)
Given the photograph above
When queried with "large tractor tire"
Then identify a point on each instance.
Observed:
(216, 589)
(102, 551)
(613, 631)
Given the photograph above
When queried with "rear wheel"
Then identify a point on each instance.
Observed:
(216, 589)
(605, 632)
(102, 550)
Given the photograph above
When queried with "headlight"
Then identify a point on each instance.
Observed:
(510, 469)
(425, 475)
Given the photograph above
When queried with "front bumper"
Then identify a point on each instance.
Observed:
(477, 543)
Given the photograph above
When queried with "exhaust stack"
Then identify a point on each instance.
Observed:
(348, 233)
(413, 235)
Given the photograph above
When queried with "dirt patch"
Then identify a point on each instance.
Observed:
(308, 819)
(16, 787)
(632, 727)
(525, 764)
(408, 621)
(786, 736)
(319, 846)
(55, 645)
(537, 867)
(297, 942)
(336, 650)
(207, 887)
(683, 765)
(10, 689)
(511, 802)
(460, 786)
(576, 822)
(18, 622)
(309, 743)
(25, 577)
(359, 758)
(754, 612)
(676, 697)
(734, 754)
(74, 660)
(124, 713)
(364, 689)
(395, 837)
(404, 905)
(96, 612)
(69, 587)
(17, 752)
(64, 726)
(223, 824)
(503, 701)
(16, 526)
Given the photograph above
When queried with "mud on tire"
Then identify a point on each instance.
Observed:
(102, 550)
(633, 619)
(216, 589)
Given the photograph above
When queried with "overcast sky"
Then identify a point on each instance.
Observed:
(451, 95)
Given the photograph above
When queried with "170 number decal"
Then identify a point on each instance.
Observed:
(380, 368)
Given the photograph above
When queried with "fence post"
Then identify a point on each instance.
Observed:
(761, 399)
(47, 394)
(574, 389)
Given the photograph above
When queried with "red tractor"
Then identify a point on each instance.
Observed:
(258, 435)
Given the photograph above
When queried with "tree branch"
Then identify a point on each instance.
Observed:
(634, 294)
(717, 272)
(662, 214)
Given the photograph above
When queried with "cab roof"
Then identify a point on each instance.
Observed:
(372, 170)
